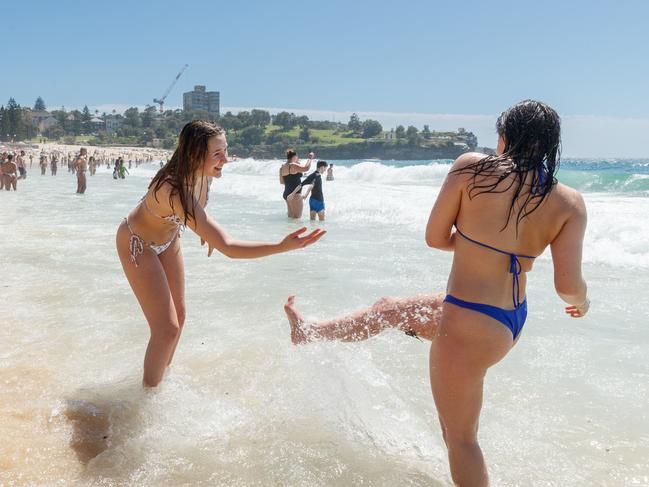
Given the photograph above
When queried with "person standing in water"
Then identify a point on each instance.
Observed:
(43, 163)
(314, 186)
(20, 162)
(54, 164)
(149, 248)
(290, 175)
(9, 174)
(496, 213)
(330, 173)
(121, 169)
(80, 166)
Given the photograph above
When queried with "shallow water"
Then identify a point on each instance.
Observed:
(242, 406)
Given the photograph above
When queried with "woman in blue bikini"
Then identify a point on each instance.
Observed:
(496, 214)
(148, 239)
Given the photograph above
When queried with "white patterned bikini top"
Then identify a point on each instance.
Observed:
(173, 218)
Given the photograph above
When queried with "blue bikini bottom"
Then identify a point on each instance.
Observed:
(514, 319)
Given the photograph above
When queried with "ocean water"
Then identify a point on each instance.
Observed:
(241, 406)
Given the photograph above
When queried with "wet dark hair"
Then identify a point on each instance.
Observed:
(321, 164)
(531, 131)
(290, 153)
(189, 156)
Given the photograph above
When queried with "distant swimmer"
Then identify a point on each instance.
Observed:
(290, 175)
(31, 160)
(121, 170)
(9, 173)
(80, 166)
(54, 164)
(92, 165)
(496, 213)
(313, 182)
(330, 173)
(43, 163)
(20, 162)
(148, 241)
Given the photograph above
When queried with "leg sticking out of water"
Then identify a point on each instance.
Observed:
(417, 316)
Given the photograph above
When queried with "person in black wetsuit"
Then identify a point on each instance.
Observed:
(314, 183)
(290, 175)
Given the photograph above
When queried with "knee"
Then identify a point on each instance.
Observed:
(180, 314)
(167, 332)
(383, 304)
(464, 439)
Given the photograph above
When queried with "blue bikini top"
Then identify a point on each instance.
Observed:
(515, 267)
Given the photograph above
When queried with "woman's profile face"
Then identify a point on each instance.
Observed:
(216, 157)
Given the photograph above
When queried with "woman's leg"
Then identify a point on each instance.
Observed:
(418, 315)
(151, 288)
(466, 345)
(174, 268)
(295, 205)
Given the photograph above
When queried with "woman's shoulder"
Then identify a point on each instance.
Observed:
(569, 198)
(467, 159)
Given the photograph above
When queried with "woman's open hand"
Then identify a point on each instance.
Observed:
(294, 241)
(210, 249)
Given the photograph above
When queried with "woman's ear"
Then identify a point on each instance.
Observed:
(501, 145)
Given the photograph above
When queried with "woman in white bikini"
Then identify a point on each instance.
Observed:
(8, 173)
(149, 248)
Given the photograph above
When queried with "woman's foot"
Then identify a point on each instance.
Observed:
(296, 320)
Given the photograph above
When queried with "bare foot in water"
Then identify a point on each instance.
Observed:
(295, 319)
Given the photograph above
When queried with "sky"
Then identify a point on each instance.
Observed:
(447, 64)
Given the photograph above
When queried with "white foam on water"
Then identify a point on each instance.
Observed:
(241, 406)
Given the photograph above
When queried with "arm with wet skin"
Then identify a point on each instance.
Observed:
(439, 229)
(217, 238)
(567, 249)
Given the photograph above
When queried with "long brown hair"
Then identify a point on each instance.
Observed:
(189, 156)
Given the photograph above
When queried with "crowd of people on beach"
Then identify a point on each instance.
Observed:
(495, 213)
(14, 167)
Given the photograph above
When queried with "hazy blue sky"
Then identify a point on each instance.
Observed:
(588, 59)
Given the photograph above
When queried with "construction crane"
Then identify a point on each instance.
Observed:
(160, 101)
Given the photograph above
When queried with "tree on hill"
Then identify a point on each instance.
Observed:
(39, 105)
(132, 116)
(260, 118)
(252, 135)
(75, 122)
(147, 116)
(302, 121)
(305, 133)
(86, 116)
(285, 120)
(371, 128)
(355, 124)
(426, 132)
(14, 126)
(400, 132)
(412, 134)
(230, 121)
(245, 118)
